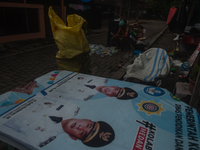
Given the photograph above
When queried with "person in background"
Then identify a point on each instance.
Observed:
(125, 20)
(122, 35)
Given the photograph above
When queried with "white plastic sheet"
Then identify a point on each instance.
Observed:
(150, 65)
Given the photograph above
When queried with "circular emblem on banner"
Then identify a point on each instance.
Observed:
(150, 107)
(154, 91)
(85, 0)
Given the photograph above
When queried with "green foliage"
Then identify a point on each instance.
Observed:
(163, 6)
(194, 72)
(175, 3)
(160, 7)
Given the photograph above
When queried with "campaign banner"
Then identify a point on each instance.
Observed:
(79, 111)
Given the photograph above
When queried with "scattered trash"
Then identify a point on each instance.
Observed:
(171, 74)
(177, 63)
(125, 79)
(185, 66)
(173, 70)
(171, 53)
(158, 83)
(137, 52)
(184, 73)
(119, 65)
(139, 42)
(101, 50)
(176, 38)
(180, 77)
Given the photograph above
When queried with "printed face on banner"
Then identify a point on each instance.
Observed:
(83, 87)
(109, 90)
(93, 134)
(77, 128)
(85, 112)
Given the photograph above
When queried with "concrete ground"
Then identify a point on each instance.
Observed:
(23, 61)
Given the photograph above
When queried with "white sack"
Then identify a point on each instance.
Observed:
(153, 63)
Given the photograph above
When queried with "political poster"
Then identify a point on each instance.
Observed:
(77, 111)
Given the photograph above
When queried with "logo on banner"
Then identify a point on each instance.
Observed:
(154, 91)
(150, 107)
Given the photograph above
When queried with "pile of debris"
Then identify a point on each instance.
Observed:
(137, 34)
(103, 51)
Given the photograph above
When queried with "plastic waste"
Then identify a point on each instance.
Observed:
(101, 50)
(176, 63)
(137, 52)
(139, 42)
(73, 54)
(185, 66)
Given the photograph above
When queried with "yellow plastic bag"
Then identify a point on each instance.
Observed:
(73, 54)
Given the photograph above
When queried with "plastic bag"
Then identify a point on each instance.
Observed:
(73, 54)
(149, 66)
(177, 63)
